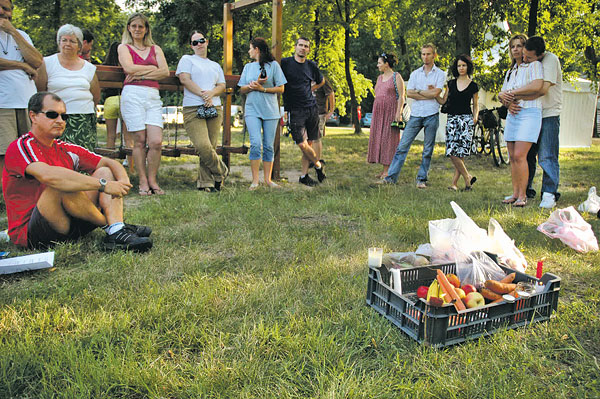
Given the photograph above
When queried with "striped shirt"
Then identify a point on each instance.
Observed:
(22, 191)
(522, 75)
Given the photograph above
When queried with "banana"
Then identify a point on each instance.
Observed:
(433, 291)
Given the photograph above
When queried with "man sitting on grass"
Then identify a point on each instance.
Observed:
(49, 201)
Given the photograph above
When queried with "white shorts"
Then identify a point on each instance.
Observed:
(141, 106)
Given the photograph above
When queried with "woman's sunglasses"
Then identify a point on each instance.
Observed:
(54, 115)
(199, 41)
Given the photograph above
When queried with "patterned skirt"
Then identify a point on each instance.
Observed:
(81, 130)
(459, 135)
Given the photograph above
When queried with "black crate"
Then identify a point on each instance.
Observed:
(444, 326)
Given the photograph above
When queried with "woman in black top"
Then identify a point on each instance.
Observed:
(461, 118)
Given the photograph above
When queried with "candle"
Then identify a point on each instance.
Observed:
(375, 256)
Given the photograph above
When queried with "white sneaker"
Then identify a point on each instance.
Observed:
(548, 201)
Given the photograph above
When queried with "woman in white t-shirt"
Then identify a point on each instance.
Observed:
(522, 128)
(75, 81)
(203, 81)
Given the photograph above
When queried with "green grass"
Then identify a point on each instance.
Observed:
(262, 294)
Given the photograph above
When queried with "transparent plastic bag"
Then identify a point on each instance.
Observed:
(568, 226)
(591, 204)
(477, 268)
(504, 247)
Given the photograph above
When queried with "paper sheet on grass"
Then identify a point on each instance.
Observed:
(25, 263)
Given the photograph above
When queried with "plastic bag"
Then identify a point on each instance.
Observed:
(477, 268)
(404, 260)
(591, 204)
(502, 245)
(568, 226)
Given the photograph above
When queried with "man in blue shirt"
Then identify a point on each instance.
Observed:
(299, 101)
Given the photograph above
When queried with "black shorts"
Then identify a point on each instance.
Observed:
(40, 234)
(304, 124)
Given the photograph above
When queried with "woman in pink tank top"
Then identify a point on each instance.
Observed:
(141, 107)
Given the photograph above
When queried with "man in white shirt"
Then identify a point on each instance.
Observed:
(424, 85)
(547, 146)
(19, 61)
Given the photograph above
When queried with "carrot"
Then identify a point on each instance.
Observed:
(509, 278)
(489, 294)
(498, 287)
(449, 290)
(497, 300)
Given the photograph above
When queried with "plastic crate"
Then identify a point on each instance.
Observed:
(444, 326)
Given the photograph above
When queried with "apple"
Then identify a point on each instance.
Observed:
(422, 291)
(461, 293)
(474, 300)
(468, 288)
(453, 279)
(435, 301)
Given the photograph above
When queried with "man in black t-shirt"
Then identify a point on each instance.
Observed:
(301, 105)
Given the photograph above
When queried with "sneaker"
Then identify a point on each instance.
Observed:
(548, 201)
(421, 184)
(321, 173)
(125, 239)
(530, 193)
(140, 231)
(306, 180)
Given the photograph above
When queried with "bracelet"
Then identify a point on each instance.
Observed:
(264, 89)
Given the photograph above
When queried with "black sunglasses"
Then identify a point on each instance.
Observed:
(54, 115)
(199, 41)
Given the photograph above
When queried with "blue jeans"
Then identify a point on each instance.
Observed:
(413, 127)
(261, 140)
(546, 150)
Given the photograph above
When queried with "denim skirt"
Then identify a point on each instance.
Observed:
(524, 126)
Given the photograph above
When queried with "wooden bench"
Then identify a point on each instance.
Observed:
(113, 77)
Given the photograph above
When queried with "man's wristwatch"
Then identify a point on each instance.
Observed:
(102, 185)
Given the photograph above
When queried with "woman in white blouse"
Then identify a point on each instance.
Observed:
(75, 81)
(523, 127)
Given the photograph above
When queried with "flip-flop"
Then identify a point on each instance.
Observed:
(452, 188)
(145, 193)
(273, 185)
(253, 186)
(473, 180)
(520, 203)
(157, 191)
(509, 200)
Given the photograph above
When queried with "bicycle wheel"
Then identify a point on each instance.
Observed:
(501, 146)
(486, 140)
(495, 153)
(478, 137)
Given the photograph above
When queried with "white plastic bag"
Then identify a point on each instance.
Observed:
(568, 226)
(477, 268)
(591, 204)
(502, 245)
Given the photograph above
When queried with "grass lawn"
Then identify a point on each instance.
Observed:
(262, 294)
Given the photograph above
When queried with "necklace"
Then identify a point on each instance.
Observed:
(140, 49)
(5, 49)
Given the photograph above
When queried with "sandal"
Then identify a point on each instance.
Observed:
(509, 200)
(145, 193)
(520, 203)
(452, 188)
(157, 191)
(253, 186)
(272, 184)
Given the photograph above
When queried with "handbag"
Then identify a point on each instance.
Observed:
(405, 110)
(445, 107)
(205, 112)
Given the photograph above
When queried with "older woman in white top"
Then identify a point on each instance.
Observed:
(523, 128)
(74, 80)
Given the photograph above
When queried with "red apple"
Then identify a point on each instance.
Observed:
(422, 291)
(474, 300)
(468, 288)
(435, 301)
(460, 292)
(453, 279)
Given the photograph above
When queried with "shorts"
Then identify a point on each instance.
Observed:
(13, 123)
(304, 124)
(111, 107)
(141, 106)
(40, 234)
(322, 122)
(524, 126)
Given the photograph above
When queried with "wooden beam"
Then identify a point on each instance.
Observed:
(241, 4)
(228, 69)
(276, 49)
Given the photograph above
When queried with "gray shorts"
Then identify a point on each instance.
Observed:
(13, 123)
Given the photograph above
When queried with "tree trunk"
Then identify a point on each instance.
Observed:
(353, 103)
(317, 30)
(533, 11)
(463, 25)
(56, 15)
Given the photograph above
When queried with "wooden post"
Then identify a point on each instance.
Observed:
(228, 69)
(277, 23)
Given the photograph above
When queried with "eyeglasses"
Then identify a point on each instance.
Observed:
(54, 115)
(199, 41)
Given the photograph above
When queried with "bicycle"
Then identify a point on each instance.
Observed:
(481, 138)
(492, 124)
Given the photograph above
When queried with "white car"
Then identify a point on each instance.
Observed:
(172, 114)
